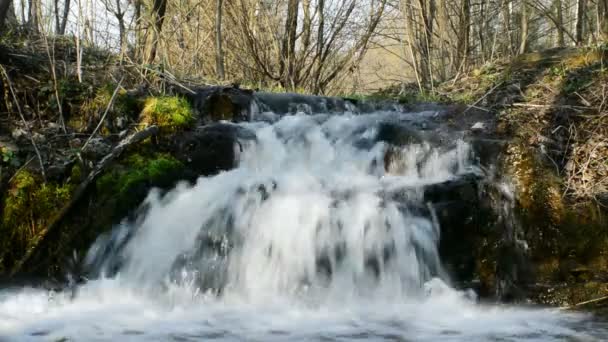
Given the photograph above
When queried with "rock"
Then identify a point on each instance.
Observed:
(121, 122)
(222, 103)
(39, 138)
(479, 127)
(213, 148)
(398, 134)
(97, 148)
(76, 143)
(487, 151)
(291, 103)
(19, 134)
(464, 189)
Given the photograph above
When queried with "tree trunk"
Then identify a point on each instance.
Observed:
(61, 20)
(603, 19)
(464, 29)
(33, 15)
(64, 18)
(506, 13)
(523, 44)
(581, 5)
(427, 17)
(159, 9)
(289, 44)
(561, 41)
(4, 7)
(219, 51)
(320, 45)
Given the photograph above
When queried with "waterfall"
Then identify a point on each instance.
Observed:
(326, 230)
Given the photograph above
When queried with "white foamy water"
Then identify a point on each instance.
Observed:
(304, 241)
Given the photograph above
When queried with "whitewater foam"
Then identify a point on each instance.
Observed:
(305, 240)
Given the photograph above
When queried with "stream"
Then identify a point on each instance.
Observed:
(315, 236)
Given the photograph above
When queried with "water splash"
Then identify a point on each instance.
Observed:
(305, 240)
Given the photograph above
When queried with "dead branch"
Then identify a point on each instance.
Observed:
(474, 105)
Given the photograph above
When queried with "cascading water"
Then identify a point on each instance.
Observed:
(315, 236)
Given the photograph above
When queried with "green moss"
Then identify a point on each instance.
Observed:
(126, 186)
(30, 206)
(168, 112)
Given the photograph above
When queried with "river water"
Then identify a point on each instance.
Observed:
(305, 240)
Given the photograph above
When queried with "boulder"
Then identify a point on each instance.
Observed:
(222, 103)
(210, 149)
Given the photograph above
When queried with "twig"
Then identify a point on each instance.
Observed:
(584, 100)
(21, 168)
(104, 114)
(29, 132)
(55, 83)
(80, 192)
(592, 301)
(474, 105)
(535, 105)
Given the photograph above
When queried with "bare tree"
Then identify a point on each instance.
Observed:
(219, 50)
(61, 20)
(33, 16)
(4, 7)
(580, 21)
(559, 22)
(603, 19)
(524, 29)
(157, 17)
(118, 9)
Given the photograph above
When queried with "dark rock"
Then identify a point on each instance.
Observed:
(464, 189)
(398, 134)
(290, 103)
(487, 151)
(213, 148)
(97, 148)
(222, 103)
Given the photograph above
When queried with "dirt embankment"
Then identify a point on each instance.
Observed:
(551, 109)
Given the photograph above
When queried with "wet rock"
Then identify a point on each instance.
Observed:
(464, 189)
(213, 148)
(290, 103)
(479, 127)
(398, 134)
(222, 103)
(486, 150)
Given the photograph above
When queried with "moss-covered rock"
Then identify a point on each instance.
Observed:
(170, 113)
(122, 188)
